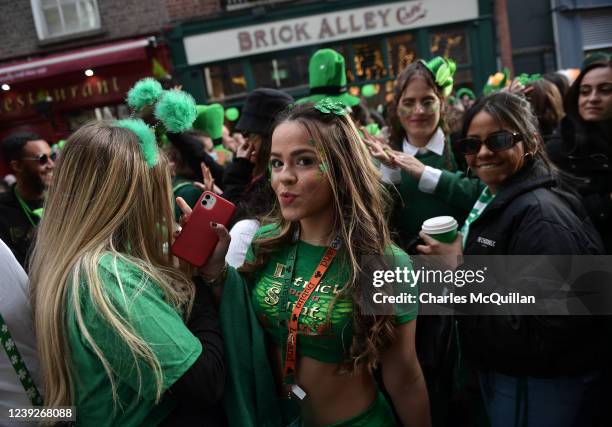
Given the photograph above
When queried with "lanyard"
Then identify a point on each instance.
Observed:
(27, 210)
(18, 364)
(293, 323)
(483, 201)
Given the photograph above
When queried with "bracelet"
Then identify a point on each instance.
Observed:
(217, 280)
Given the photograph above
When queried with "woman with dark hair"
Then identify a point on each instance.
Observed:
(533, 370)
(547, 104)
(585, 147)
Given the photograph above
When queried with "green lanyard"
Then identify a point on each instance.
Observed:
(483, 201)
(18, 364)
(27, 210)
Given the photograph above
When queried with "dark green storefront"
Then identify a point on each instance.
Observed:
(378, 38)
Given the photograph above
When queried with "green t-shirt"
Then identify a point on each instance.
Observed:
(141, 303)
(326, 322)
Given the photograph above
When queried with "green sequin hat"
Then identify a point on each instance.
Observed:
(327, 78)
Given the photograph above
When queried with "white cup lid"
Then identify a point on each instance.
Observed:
(439, 225)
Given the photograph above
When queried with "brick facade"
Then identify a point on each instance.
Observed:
(186, 9)
(119, 19)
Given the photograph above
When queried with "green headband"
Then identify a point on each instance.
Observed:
(331, 106)
(525, 78)
(146, 138)
(443, 70)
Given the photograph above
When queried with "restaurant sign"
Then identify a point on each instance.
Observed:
(324, 28)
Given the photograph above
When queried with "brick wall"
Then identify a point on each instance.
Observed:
(185, 9)
(119, 19)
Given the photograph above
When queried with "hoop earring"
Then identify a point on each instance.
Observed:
(468, 172)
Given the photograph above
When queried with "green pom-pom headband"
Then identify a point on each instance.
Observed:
(443, 70)
(145, 92)
(176, 110)
(146, 137)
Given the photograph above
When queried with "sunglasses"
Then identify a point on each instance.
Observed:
(496, 142)
(42, 159)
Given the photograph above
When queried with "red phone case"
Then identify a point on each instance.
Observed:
(197, 240)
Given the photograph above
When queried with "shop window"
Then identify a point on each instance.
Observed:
(369, 63)
(345, 52)
(402, 51)
(281, 73)
(56, 18)
(450, 43)
(225, 81)
(76, 119)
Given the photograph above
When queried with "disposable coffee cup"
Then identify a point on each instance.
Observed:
(441, 228)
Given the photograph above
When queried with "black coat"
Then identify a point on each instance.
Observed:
(585, 150)
(253, 198)
(531, 215)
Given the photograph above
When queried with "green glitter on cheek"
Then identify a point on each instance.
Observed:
(405, 111)
(312, 142)
(323, 167)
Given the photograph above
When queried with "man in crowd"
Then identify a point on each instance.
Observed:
(31, 161)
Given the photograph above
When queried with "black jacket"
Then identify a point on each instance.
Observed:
(253, 197)
(531, 215)
(585, 150)
(15, 227)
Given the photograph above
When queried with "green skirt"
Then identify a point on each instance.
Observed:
(378, 414)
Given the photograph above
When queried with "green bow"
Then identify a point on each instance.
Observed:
(443, 70)
(331, 106)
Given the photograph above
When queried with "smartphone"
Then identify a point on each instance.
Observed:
(197, 239)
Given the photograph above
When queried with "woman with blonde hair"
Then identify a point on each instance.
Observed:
(110, 305)
(305, 282)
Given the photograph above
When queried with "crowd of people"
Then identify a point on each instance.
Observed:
(274, 329)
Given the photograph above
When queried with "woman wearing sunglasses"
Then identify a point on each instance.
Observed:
(536, 371)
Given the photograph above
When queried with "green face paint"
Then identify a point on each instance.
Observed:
(323, 167)
(312, 142)
(428, 106)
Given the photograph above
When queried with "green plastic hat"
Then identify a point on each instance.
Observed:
(210, 120)
(466, 91)
(597, 56)
(327, 78)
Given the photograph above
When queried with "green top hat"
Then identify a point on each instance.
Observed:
(327, 78)
(210, 120)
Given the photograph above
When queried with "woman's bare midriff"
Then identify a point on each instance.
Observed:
(330, 397)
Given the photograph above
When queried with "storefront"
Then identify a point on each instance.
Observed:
(55, 95)
(223, 59)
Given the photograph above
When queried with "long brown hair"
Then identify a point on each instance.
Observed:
(104, 201)
(361, 203)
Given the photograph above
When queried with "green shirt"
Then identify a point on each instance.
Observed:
(326, 322)
(142, 304)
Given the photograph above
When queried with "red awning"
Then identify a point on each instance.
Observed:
(91, 57)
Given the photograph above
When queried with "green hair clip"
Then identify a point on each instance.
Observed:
(145, 92)
(146, 137)
(331, 106)
(443, 70)
(525, 78)
(176, 110)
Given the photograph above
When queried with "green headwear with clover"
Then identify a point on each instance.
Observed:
(443, 70)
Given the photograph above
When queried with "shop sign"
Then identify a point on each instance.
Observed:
(324, 28)
(231, 5)
(64, 96)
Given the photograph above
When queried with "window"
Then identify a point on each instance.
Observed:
(225, 81)
(56, 18)
(277, 73)
(450, 43)
(402, 51)
(369, 63)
